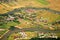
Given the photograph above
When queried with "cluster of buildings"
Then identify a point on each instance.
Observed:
(23, 35)
(47, 35)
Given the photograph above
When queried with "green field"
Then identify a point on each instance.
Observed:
(43, 2)
(6, 26)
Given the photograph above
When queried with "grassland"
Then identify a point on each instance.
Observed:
(2, 32)
(43, 2)
(6, 26)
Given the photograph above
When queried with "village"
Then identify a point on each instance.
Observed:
(28, 19)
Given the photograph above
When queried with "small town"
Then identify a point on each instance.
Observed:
(35, 20)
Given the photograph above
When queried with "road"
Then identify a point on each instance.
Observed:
(25, 30)
(35, 8)
(28, 29)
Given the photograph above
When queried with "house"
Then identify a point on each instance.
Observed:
(11, 18)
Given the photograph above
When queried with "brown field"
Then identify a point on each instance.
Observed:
(54, 4)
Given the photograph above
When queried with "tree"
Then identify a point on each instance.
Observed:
(11, 28)
(36, 38)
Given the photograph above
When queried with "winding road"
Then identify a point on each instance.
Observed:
(35, 8)
(6, 35)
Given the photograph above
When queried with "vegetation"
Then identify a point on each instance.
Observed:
(42, 38)
(2, 32)
(11, 28)
(6, 26)
(11, 14)
(19, 36)
(43, 2)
